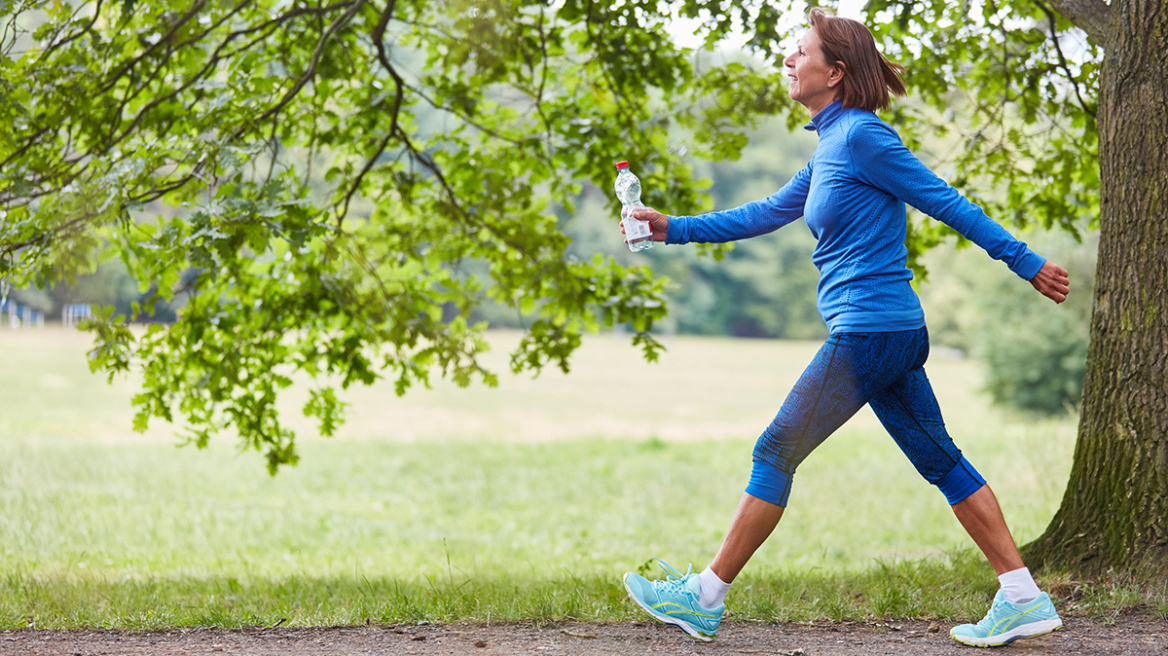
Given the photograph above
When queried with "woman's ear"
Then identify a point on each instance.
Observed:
(838, 70)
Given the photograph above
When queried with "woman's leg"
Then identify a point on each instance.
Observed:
(755, 520)
(982, 518)
(845, 373)
(909, 410)
(1020, 609)
(753, 523)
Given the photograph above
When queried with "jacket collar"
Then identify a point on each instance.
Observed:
(826, 117)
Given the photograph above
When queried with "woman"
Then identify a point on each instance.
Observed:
(852, 194)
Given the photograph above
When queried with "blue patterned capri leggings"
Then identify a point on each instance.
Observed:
(885, 370)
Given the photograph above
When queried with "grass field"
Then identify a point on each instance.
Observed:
(526, 501)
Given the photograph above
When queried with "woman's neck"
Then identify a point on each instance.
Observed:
(815, 108)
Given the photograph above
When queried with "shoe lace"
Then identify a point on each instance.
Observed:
(675, 580)
(991, 617)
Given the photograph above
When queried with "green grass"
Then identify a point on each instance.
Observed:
(156, 603)
(523, 502)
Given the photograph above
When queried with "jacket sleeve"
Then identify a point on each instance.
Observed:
(749, 220)
(882, 160)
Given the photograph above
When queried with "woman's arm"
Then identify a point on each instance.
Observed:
(752, 219)
(880, 159)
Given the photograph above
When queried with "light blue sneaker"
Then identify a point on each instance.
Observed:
(1007, 622)
(675, 601)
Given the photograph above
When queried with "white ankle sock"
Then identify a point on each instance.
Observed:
(1019, 586)
(714, 589)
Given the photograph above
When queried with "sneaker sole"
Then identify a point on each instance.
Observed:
(665, 619)
(1025, 631)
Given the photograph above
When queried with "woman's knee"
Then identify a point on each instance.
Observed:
(961, 481)
(769, 483)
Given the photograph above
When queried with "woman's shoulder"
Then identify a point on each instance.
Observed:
(865, 128)
(863, 121)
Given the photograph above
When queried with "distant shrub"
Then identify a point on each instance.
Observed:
(1035, 359)
(1035, 351)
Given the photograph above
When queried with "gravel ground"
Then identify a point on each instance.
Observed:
(1129, 635)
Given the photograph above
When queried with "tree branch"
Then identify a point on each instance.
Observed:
(415, 154)
(76, 35)
(316, 55)
(1062, 59)
(369, 163)
(164, 40)
(72, 226)
(28, 144)
(383, 57)
(1091, 16)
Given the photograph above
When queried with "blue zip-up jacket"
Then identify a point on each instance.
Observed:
(853, 194)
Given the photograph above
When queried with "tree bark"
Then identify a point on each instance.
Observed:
(1089, 15)
(1114, 513)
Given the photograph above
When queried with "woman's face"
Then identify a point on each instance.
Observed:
(812, 78)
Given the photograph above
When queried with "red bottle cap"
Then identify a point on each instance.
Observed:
(622, 165)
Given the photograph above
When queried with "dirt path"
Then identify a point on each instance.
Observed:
(1128, 636)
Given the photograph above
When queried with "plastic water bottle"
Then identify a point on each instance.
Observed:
(628, 191)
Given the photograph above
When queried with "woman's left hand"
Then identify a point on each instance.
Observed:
(658, 222)
(1052, 281)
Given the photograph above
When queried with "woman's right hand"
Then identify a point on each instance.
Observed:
(658, 222)
(1052, 281)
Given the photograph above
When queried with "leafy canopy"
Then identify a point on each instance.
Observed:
(323, 184)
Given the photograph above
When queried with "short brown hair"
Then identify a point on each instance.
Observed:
(868, 76)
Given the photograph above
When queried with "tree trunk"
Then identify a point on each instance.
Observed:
(1115, 510)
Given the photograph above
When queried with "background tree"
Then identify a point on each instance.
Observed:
(203, 105)
(1115, 512)
(182, 136)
